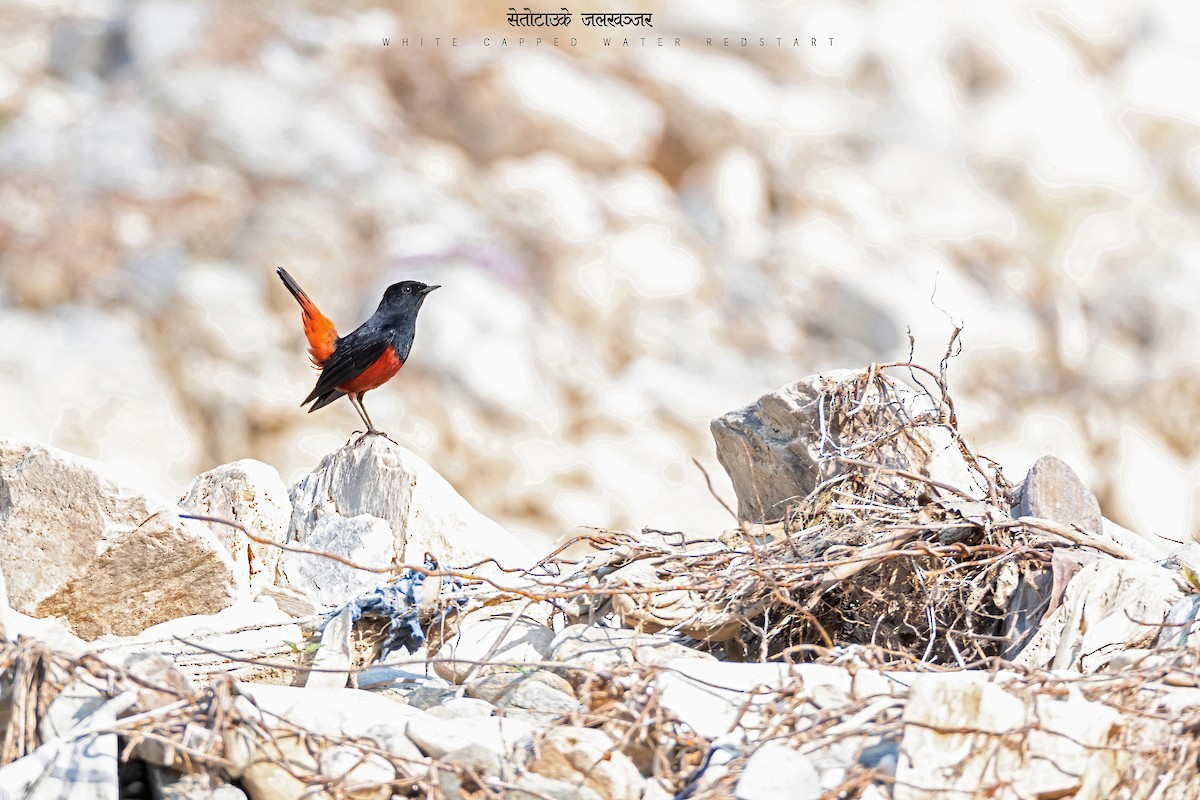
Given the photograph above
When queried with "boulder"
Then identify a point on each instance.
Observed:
(251, 493)
(777, 449)
(425, 513)
(1053, 491)
(76, 542)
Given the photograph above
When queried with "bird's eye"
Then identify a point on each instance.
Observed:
(408, 290)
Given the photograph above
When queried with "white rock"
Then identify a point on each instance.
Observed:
(589, 756)
(776, 770)
(77, 543)
(249, 631)
(1109, 606)
(527, 640)
(436, 737)
(714, 697)
(335, 657)
(251, 493)
(331, 712)
(587, 649)
(354, 767)
(363, 539)
(425, 513)
(462, 708)
(1047, 746)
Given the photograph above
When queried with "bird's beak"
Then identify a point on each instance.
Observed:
(429, 289)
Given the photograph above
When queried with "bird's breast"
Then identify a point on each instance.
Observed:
(376, 375)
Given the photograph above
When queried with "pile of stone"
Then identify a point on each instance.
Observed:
(890, 618)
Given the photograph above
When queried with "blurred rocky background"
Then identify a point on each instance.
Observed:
(632, 240)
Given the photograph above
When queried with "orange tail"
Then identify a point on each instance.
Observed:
(321, 333)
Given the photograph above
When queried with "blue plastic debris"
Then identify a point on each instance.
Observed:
(398, 602)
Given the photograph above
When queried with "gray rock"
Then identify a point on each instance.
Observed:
(1053, 491)
(76, 542)
(462, 708)
(425, 513)
(251, 493)
(494, 687)
(427, 697)
(589, 649)
(775, 453)
(777, 770)
(537, 696)
(81, 48)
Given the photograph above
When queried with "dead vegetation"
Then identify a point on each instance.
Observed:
(878, 567)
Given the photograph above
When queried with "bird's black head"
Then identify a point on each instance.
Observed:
(406, 294)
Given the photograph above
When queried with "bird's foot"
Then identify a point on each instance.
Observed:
(372, 432)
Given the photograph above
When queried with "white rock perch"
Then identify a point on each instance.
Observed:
(77, 543)
(424, 512)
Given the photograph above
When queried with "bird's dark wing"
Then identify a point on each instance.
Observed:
(353, 354)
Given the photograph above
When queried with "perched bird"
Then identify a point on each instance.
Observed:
(366, 358)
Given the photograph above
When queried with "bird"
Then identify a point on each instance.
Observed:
(365, 358)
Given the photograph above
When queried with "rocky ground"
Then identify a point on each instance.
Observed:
(684, 228)
(910, 624)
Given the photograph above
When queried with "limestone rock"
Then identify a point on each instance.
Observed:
(1047, 746)
(363, 539)
(1109, 606)
(251, 493)
(425, 513)
(776, 770)
(712, 697)
(76, 542)
(437, 737)
(495, 687)
(526, 640)
(1053, 491)
(589, 648)
(774, 450)
(462, 708)
(587, 756)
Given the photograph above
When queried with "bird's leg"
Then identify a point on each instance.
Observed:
(357, 402)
